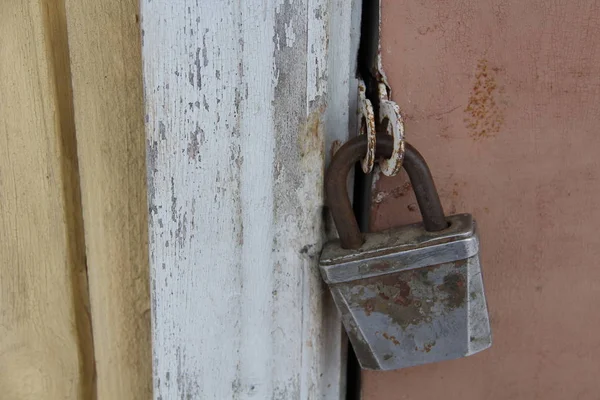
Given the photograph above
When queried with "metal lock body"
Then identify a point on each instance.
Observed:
(409, 295)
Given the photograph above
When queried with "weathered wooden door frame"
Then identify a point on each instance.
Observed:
(243, 101)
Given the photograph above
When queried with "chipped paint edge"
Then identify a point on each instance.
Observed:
(205, 138)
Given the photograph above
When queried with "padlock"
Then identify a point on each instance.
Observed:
(410, 295)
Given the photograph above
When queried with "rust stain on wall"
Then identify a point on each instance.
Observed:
(484, 116)
(310, 139)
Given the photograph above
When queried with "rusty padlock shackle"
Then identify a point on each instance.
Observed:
(337, 192)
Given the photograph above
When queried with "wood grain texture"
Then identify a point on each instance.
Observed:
(105, 49)
(236, 98)
(503, 100)
(45, 339)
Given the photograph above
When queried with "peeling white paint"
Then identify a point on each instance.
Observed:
(290, 37)
(236, 100)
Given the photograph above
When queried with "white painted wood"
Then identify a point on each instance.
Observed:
(236, 95)
(342, 92)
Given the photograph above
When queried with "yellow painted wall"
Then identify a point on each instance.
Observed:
(74, 296)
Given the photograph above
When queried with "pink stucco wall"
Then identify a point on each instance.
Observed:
(503, 99)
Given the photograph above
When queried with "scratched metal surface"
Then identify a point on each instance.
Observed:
(412, 297)
(408, 246)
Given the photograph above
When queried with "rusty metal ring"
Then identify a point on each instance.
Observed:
(391, 111)
(367, 126)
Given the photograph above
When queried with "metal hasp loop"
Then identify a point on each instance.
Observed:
(390, 111)
(337, 192)
(367, 127)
